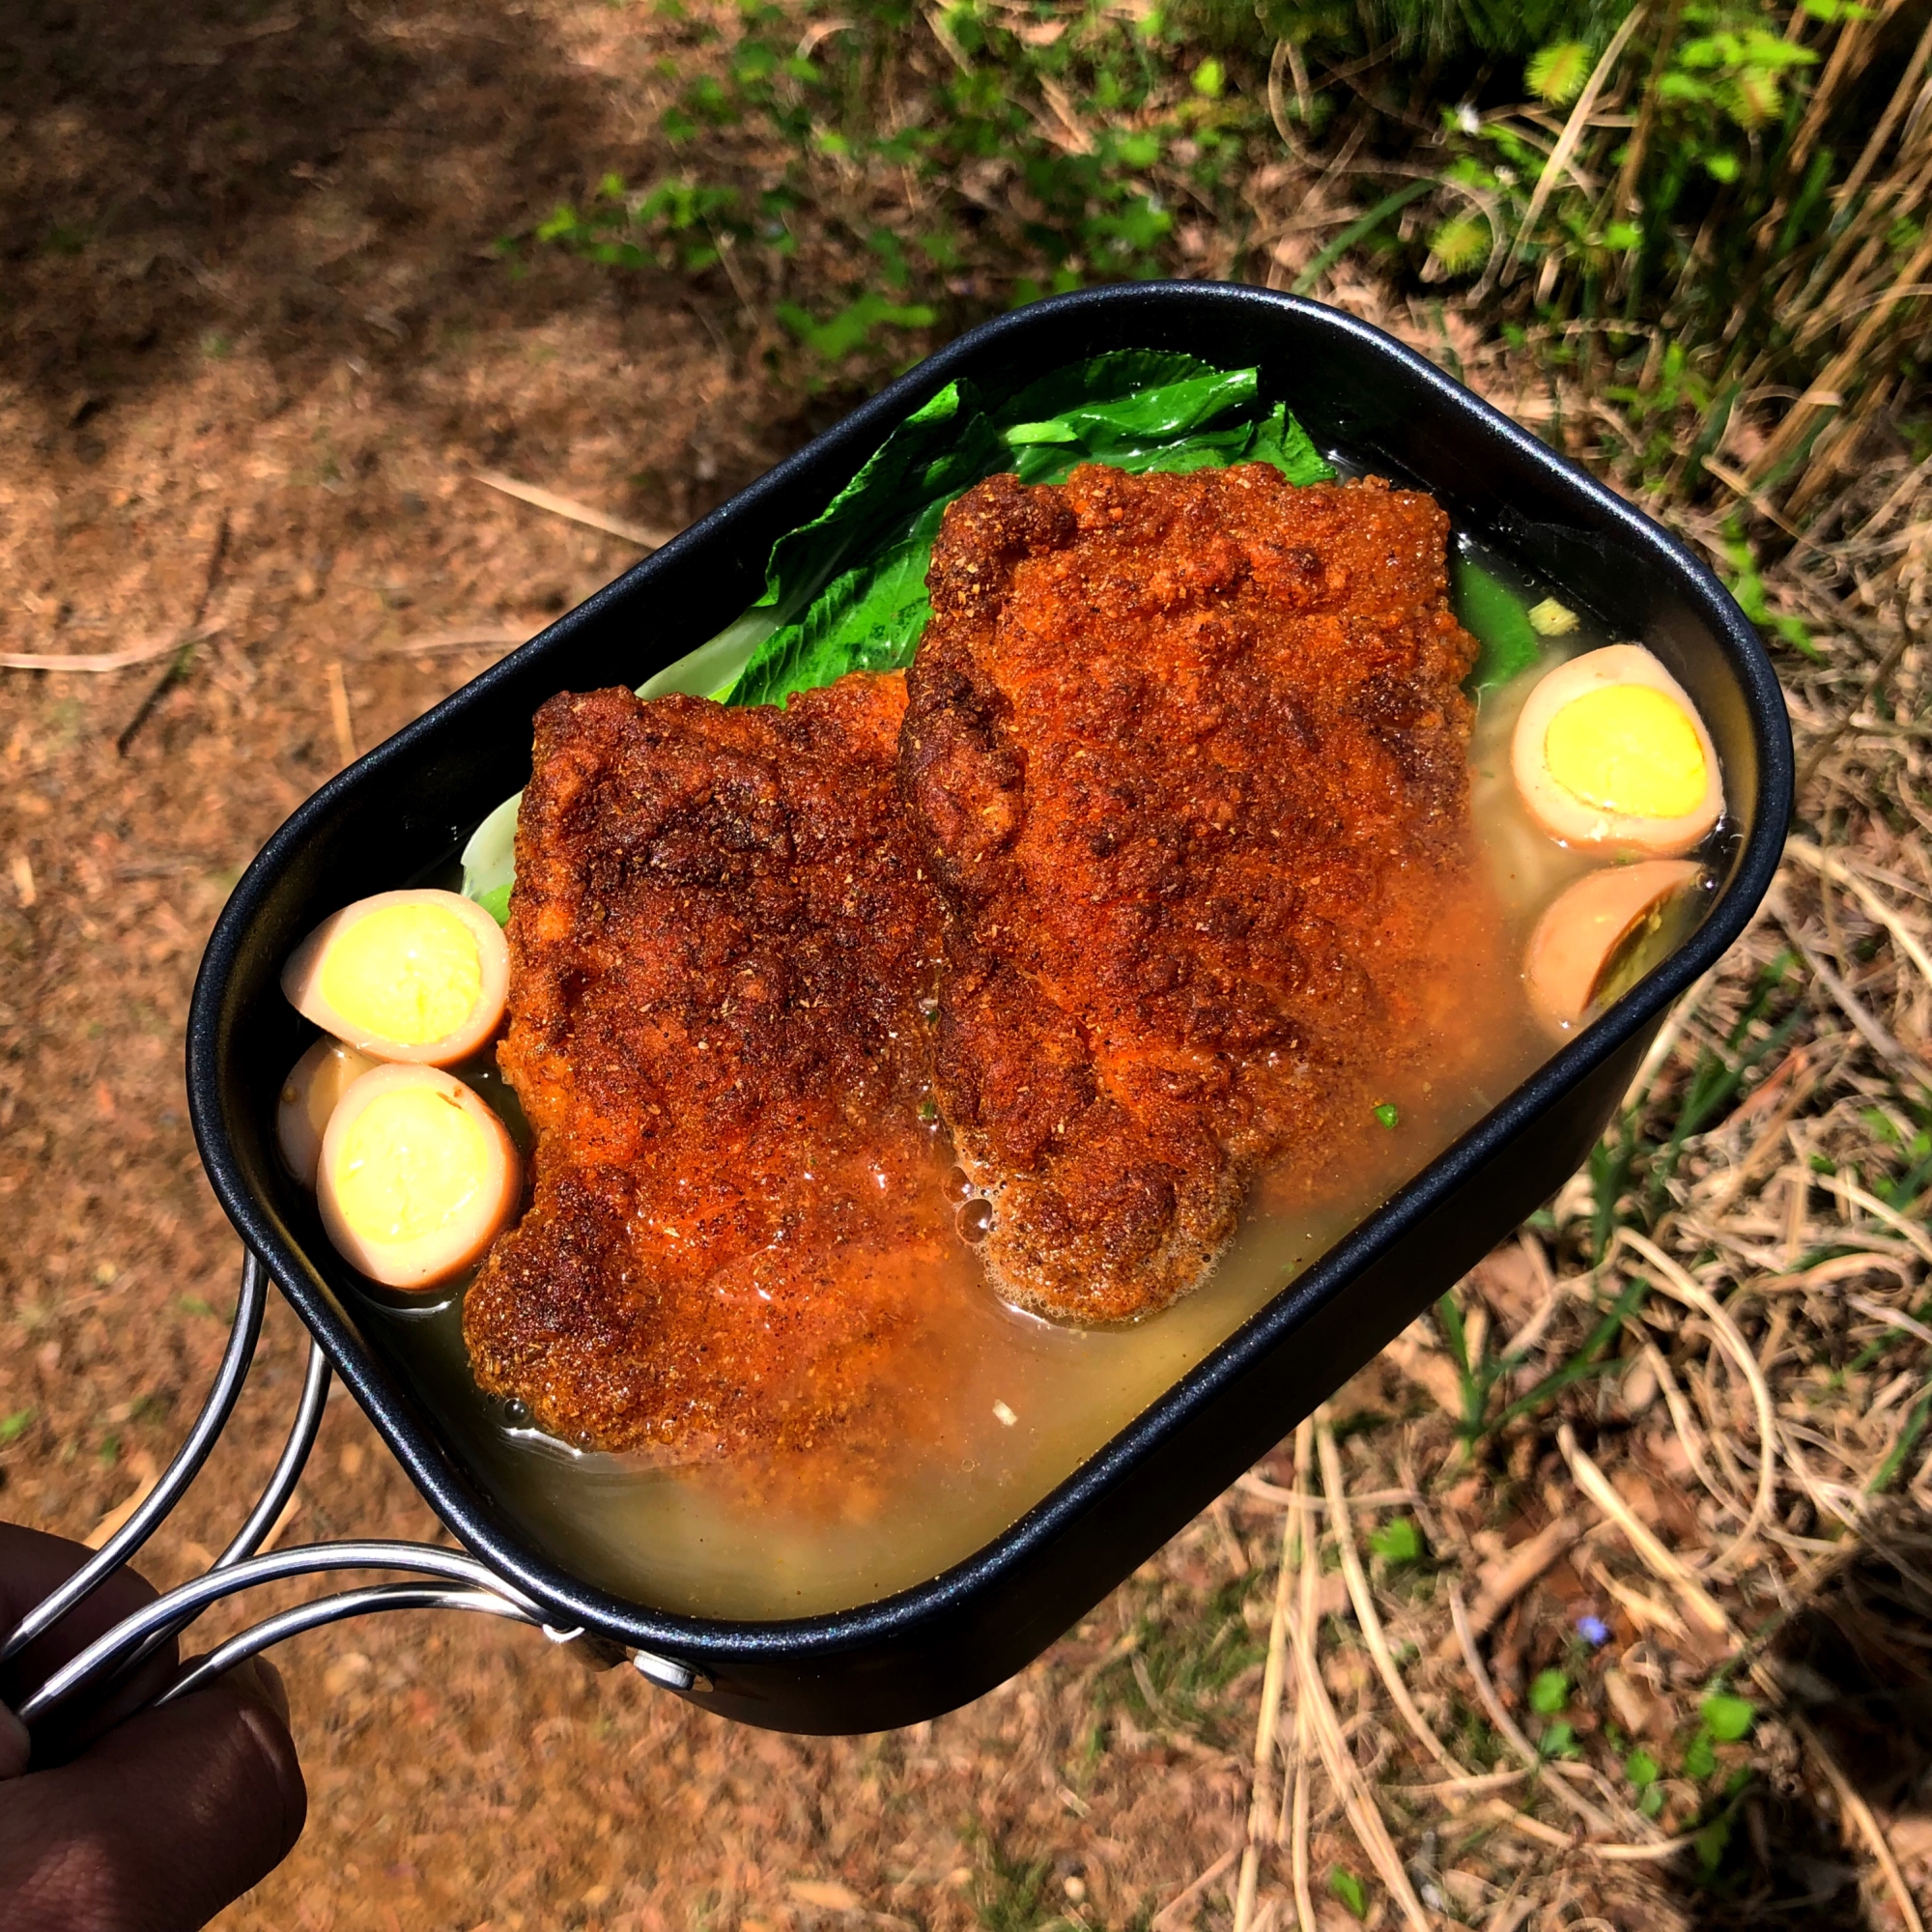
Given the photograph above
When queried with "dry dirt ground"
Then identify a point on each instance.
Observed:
(254, 343)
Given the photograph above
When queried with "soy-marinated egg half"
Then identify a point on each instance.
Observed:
(417, 976)
(417, 1175)
(315, 1084)
(1610, 926)
(1609, 752)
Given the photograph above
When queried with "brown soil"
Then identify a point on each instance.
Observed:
(255, 341)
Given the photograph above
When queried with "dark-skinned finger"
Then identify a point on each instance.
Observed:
(31, 1564)
(160, 1824)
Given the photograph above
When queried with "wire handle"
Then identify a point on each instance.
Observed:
(457, 1580)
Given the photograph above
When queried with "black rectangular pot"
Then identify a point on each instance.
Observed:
(407, 804)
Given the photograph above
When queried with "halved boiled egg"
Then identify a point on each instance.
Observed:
(1601, 935)
(416, 1177)
(308, 1098)
(1610, 752)
(419, 975)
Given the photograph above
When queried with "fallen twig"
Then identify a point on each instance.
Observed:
(1168, 1917)
(338, 712)
(1269, 1718)
(1346, 1776)
(1304, 1906)
(568, 507)
(1568, 1841)
(95, 662)
(1667, 1565)
(1682, 1287)
(1829, 866)
(1521, 1568)
(453, 640)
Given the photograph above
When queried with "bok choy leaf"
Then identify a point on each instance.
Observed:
(848, 589)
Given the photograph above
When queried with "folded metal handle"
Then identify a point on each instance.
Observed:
(456, 1580)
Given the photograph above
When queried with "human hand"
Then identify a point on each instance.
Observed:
(144, 1823)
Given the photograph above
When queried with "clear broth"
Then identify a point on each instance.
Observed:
(1034, 1401)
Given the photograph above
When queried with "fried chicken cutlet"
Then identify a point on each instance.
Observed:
(1188, 756)
(720, 940)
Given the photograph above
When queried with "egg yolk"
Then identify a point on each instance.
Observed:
(411, 1163)
(406, 973)
(1629, 750)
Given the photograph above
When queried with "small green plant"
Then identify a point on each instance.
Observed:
(1556, 74)
(12, 1427)
(1632, 1167)
(1729, 1720)
(1644, 1773)
(1721, 1720)
(1342, 1884)
(1548, 1692)
(1009, 1895)
(1549, 1698)
(1397, 1541)
(1480, 1376)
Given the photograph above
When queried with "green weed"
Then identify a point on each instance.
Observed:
(1342, 1884)
(1480, 1377)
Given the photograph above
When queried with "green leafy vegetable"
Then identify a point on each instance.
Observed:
(1494, 615)
(1113, 377)
(870, 618)
(490, 860)
(847, 591)
(1162, 412)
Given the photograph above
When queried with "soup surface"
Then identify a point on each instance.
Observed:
(1016, 1403)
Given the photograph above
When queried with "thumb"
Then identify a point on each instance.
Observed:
(157, 1825)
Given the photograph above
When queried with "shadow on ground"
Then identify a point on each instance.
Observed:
(1857, 1665)
(325, 178)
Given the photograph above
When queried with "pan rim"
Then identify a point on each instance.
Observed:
(437, 1472)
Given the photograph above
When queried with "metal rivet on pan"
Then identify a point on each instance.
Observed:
(668, 1672)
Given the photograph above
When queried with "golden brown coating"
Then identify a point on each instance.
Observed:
(720, 940)
(1189, 757)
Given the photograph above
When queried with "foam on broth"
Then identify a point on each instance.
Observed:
(1032, 1401)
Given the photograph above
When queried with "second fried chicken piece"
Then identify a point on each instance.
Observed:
(1189, 757)
(720, 940)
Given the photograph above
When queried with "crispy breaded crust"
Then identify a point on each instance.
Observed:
(1188, 754)
(720, 940)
